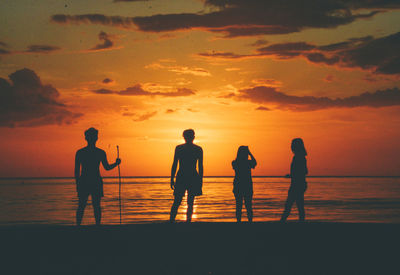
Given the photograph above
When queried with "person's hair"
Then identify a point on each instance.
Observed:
(298, 147)
(91, 134)
(242, 153)
(188, 134)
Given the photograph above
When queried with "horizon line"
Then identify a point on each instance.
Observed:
(231, 176)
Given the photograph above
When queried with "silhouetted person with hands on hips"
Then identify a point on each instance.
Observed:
(243, 182)
(188, 155)
(298, 186)
(87, 175)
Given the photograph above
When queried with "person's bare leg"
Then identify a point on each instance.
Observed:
(300, 207)
(249, 207)
(288, 206)
(81, 208)
(96, 209)
(239, 205)
(190, 203)
(174, 207)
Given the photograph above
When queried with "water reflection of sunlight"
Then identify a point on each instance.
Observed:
(183, 210)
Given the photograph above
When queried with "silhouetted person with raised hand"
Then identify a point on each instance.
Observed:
(243, 182)
(188, 155)
(298, 186)
(87, 175)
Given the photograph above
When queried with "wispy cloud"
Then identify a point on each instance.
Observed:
(272, 96)
(179, 69)
(138, 90)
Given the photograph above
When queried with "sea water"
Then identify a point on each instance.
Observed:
(148, 199)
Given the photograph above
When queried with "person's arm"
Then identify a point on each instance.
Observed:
(305, 166)
(77, 169)
(252, 159)
(173, 169)
(201, 165)
(105, 163)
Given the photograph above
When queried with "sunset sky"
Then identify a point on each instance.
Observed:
(239, 72)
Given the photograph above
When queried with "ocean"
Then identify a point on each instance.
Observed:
(148, 199)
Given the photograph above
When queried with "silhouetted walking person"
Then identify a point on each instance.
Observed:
(298, 186)
(88, 179)
(243, 182)
(188, 179)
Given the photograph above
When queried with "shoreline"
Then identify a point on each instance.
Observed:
(202, 248)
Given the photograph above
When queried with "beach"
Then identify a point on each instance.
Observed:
(202, 248)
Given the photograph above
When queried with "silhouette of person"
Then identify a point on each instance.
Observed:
(243, 183)
(298, 186)
(87, 175)
(188, 179)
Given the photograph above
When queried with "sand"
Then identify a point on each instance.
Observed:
(202, 248)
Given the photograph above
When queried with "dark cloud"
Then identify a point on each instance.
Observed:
(262, 108)
(235, 18)
(103, 91)
(34, 49)
(259, 42)
(4, 52)
(41, 49)
(286, 50)
(27, 102)
(137, 90)
(145, 116)
(101, 19)
(379, 55)
(3, 44)
(270, 95)
(131, 0)
(225, 55)
(106, 42)
(107, 80)
(321, 58)
(170, 111)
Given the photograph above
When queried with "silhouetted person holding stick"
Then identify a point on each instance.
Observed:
(188, 179)
(88, 179)
(243, 182)
(298, 186)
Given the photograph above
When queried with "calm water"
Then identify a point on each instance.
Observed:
(53, 201)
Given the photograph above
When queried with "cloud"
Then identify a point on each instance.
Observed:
(329, 78)
(131, 0)
(286, 50)
(41, 49)
(137, 90)
(378, 55)
(259, 42)
(26, 102)
(267, 82)
(106, 44)
(270, 95)
(107, 81)
(226, 55)
(262, 108)
(3, 44)
(180, 69)
(100, 19)
(145, 116)
(4, 52)
(32, 49)
(237, 18)
(170, 111)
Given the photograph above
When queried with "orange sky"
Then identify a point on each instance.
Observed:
(255, 73)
